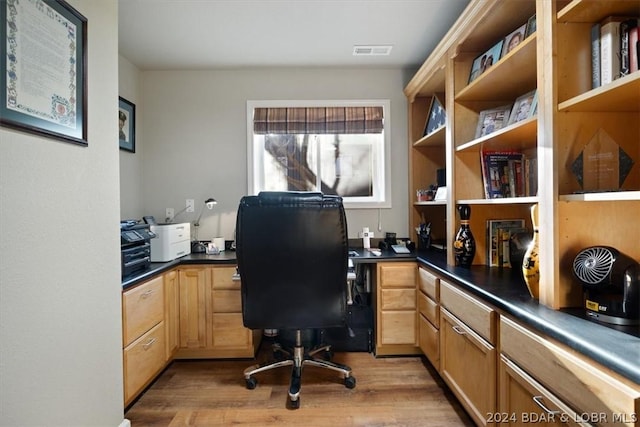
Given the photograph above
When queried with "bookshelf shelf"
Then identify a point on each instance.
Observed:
(504, 201)
(618, 96)
(594, 11)
(431, 203)
(521, 135)
(434, 139)
(610, 196)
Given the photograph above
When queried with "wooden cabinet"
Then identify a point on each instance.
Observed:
(537, 372)
(571, 116)
(211, 315)
(172, 312)
(396, 331)
(143, 333)
(468, 351)
(429, 315)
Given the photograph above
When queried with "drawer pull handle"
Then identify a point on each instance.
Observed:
(146, 294)
(538, 400)
(458, 330)
(149, 343)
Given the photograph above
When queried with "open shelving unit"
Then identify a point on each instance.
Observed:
(556, 61)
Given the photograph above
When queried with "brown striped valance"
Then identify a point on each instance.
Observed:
(317, 120)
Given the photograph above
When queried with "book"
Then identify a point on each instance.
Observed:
(498, 236)
(625, 57)
(610, 48)
(595, 55)
(634, 48)
(500, 173)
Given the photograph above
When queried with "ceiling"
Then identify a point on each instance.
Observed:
(219, 34)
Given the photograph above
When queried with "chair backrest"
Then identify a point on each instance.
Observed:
(292, 252)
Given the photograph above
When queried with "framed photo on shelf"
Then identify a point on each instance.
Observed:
(437, 116)
(127, 125)
(486, 60)
(531, 26)
(492, 120)
(524, 107)
(49, 99)
(513, 40)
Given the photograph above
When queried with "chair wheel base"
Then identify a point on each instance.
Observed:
(251, 383)
(350, 382)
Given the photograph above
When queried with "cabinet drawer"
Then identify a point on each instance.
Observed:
(429, 309)
(398, 299)
(227, 301)
(585, 385)
(521, 396)
(223, 278)
(468, 365)
(397, 274)
(429, 284)
(398, 327)
(142, 308)
(229, 331)
(429, 341)
(142, 360)
(478, 316)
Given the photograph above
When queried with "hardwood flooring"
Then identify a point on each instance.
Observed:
(390, 391)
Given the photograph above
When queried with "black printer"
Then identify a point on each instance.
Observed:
(135, 246)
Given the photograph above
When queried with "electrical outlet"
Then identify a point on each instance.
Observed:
(190, 205)
(169, 214)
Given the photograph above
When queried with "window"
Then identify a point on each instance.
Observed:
(337, 147)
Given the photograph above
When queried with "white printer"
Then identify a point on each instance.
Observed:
(172, 241)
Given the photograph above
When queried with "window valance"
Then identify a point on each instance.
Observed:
(318, 120)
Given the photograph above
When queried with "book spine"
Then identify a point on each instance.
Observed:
(633, 50)
(609, 51)
(595, 56)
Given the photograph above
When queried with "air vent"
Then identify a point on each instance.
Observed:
(379, 50)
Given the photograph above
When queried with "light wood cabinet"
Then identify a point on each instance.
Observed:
(468, 351)
(143, 334)
(429, 316)
(396, 322)
(565, 380)
(172, 312)
(555, 60)
(211, 324)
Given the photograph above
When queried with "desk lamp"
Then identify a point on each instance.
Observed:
(198, 247)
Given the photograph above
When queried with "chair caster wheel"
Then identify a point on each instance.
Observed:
(350, 382)
(293, 404)
(251, 383)
(328, 355)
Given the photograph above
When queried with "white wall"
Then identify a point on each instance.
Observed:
(131, 169)
(195, 136)
(60, 314)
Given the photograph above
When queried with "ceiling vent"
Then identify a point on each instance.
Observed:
(378, 50)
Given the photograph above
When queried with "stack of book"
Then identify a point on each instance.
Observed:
(614, 49)
(508, 174)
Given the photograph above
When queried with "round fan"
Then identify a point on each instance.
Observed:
(593, 265)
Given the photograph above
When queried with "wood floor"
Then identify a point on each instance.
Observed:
(390, 391)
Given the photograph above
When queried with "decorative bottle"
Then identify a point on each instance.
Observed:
(530, 263)
(464, 247)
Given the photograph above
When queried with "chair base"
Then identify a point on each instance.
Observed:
(297, 361)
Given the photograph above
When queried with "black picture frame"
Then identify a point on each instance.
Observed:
(54, 104)
(437, 116)
(127, 125)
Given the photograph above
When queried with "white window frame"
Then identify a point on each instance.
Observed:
(382, 184)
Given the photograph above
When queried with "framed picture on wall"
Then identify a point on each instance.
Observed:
(44, 69)
(436, 118)
(127, 125)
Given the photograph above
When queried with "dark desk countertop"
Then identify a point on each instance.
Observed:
(616, 349)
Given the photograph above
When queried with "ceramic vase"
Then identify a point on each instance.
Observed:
(530, 263)
(464, 246)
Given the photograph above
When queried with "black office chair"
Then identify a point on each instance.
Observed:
(292, 253)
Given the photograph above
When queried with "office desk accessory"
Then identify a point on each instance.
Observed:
(292, 251)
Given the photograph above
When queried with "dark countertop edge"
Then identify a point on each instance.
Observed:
(611, 348)
(498, 288)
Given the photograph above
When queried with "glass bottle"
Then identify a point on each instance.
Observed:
(464, 246)
(530, 263)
